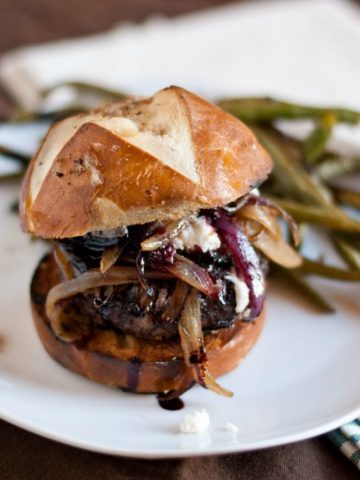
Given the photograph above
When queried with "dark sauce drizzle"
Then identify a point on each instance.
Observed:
(170, 404)
(134, 366)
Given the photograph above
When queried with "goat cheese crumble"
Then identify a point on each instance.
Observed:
(241, 292)
(230, 427)
(196, 422)
(198, 233)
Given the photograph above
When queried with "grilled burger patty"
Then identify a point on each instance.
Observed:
(129, 309)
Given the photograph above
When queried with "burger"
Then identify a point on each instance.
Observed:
(156, 276)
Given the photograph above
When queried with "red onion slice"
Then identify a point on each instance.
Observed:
(245, 258)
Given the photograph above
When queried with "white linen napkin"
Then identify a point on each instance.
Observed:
(301, 50)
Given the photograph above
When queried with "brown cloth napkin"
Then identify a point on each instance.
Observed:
(24, 456)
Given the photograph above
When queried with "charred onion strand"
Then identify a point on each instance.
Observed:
(276, 249)
(140, 266)
(175, 302)
(63, 262)
(278, 211)
(110, 257)
(194, 275)
(192, 343)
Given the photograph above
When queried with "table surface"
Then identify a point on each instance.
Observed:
(25, 455)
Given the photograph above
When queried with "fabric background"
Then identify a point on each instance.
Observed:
(27, 456)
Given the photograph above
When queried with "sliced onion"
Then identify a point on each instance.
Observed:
(192, 343)
(246, 260)
(194, 275)
(140, 266)
(109, 257)
(279, 212)
(262, 216)
(175, 302)
(63, 262)
(276, 249)
(88, 280)
(159, 240)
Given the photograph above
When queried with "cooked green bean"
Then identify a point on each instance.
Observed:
(321, 269)
(85, 87)
(14, 155)
(288, 172)
(266, 110)
(304, 288)
(333, 167)
(5, 177)
(348, 198)
(347, 251)
(330, 217)
(315, 144)
(53, 115)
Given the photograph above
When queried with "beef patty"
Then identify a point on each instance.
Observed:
(131, 311)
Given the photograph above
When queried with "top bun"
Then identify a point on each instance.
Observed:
(136, 161)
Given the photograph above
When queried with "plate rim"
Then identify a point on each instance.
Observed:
(288, 438)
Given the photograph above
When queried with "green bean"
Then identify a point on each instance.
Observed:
(11, 176)
(312, 267)
(85, 87)
(347, 251)
(266, 110)
(333, 167)
(288, 172)
(348, 198)
(326, 217)
(53, 115)
(304, 288)
(14, 155)
(315, 144)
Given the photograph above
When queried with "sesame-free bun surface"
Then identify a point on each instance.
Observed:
(134, 364)
(138, 160)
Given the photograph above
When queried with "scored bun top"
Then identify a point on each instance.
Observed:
(136, 161)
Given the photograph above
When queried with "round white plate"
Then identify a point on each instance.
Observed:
(300, 380)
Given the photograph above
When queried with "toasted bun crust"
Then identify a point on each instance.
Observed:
(134, 364)
(136, 161)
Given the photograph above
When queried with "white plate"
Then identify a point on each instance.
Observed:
(301, 378)
(299, 381)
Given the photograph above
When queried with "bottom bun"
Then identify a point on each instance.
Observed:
(131, 363)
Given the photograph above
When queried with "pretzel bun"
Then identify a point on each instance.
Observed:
(138, 160)
(134, 364)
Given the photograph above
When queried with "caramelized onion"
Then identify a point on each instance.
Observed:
(278, 212)
(109, 257)
(258, 220)
(276, 249)
(159, 240)
(63, 262)
(194, 275)
(140, 266)
(175, 302)
(88, 280)
(262, 216)
(192, 343)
